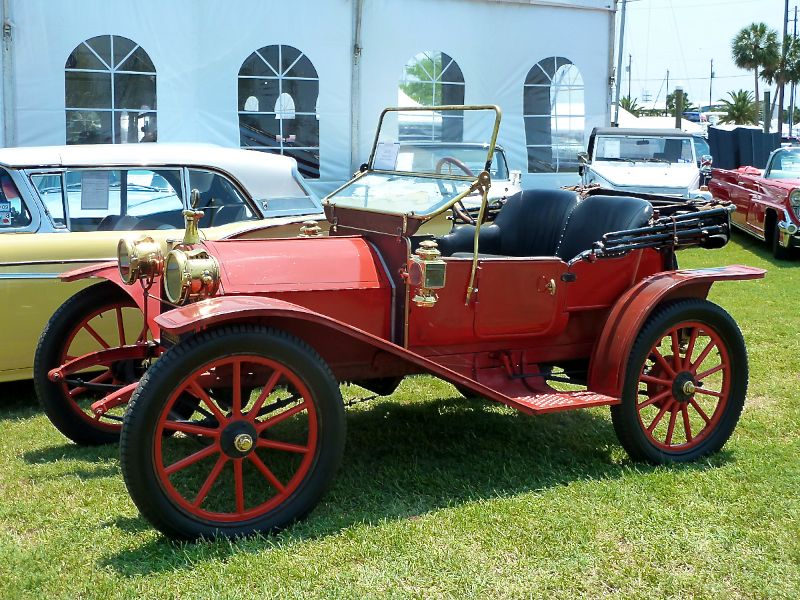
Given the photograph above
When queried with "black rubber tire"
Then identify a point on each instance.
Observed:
(177, 363)
(624, 416)
(778, 251)
(47, 357)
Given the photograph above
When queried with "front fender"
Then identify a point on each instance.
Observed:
(610, 357)
(110, 272)
(352, 353)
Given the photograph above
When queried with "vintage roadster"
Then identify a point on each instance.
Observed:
(237, 424)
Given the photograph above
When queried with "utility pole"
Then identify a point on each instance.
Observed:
(619, 61)
(710, 84)
(666, 108)
(783, 68)
(792, 96)
(630, 73)
(767, 113)
(678, 107)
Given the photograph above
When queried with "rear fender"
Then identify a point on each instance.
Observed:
(610, 357)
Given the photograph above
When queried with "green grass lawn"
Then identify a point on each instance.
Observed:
(440, 496)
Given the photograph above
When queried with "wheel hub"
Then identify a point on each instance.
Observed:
(238, 439)
(684, 386)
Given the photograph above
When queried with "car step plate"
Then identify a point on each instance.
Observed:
(558, 401)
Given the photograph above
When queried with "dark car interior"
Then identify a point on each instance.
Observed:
(548, 223)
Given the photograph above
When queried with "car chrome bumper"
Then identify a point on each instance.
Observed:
(788, 232)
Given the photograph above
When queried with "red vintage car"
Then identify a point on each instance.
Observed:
(767, 203)
(237, 424)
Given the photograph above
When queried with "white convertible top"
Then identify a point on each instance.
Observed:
(263, 174)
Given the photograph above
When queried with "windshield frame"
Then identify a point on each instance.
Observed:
(781, 152)
(471, 181)
(686, 141)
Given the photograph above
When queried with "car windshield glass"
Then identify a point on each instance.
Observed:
(644, 149)
(469, 159)
(422, 160)
(785, 165)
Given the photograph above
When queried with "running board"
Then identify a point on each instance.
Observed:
(541, 403)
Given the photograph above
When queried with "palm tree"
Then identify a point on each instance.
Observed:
(631, 105)
(740, 109)
(754, 47)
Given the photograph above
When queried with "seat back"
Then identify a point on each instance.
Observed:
(532, 221)
(597, 215)
(530, 224)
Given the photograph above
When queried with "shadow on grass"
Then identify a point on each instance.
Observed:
(763, 251)
(406, 460)
(18, 400)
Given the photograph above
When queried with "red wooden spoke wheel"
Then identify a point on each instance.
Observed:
(685, 384)
(256, 448)
(99, 317)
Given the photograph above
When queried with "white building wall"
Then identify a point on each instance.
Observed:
(198, 46)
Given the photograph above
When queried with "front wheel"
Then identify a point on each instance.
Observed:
(685, 384)
(258, 450)
(99, 317)
(778, 250)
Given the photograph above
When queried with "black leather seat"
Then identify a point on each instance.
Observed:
(597, 215)
(530, 224)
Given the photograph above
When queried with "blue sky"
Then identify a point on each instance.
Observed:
(683, 36)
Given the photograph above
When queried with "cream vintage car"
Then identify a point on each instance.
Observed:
(62, 207)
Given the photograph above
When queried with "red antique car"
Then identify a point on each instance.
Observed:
(767, 203)
(238, 425)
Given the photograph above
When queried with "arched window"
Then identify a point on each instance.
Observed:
(110, 92)
(431, 78)
(278, 91)
(554, 116)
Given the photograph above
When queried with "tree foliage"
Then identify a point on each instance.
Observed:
(419, 81)
(755, 48)
(631, 105)
(741, 109)
(687, 104)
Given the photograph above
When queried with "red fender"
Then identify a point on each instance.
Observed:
(110, 272)
(610, 357)
(252, 309)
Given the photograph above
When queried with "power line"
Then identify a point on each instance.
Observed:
(695, 78)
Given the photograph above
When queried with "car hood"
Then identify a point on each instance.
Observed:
(296, 264)
(648, 174)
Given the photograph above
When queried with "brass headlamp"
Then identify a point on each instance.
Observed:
(190, 275)
(139, 259)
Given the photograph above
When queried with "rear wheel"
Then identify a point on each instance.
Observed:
(253, 459)
(98, 317)
(685, 384)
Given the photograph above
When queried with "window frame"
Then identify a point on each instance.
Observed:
(280, 77)
(30, 203)
(433, 80)
(553, 115)
(113, 71)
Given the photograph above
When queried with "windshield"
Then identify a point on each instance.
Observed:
(785, 165)
(644, 149)
(423, 157)
(424, 176)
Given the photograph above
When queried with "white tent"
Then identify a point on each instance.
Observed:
(197, 76)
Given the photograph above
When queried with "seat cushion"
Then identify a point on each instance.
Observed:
(597, 215)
